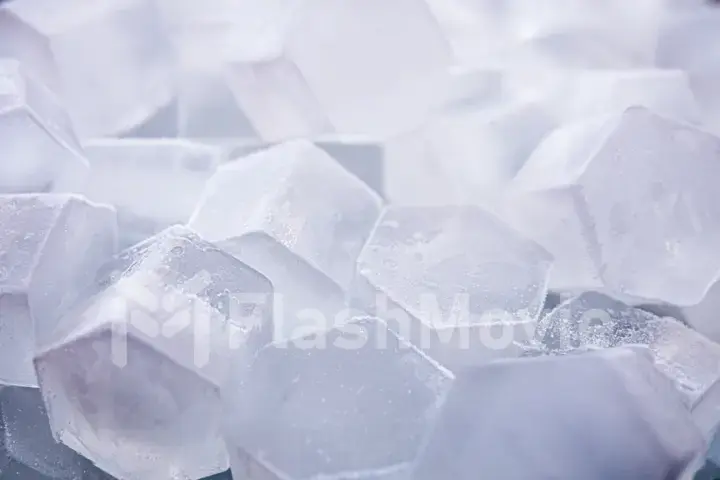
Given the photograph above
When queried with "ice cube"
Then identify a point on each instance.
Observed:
(20, 41)
(153, 183)
(596, 320)
(50, 248)
(40, 150)
(294, 214)
(597, 415)
(345, 67)
(134, 385)
(352, 402)
(482, 149)
(641, 187)
(113, 58)
(442, 275)
(28, 444)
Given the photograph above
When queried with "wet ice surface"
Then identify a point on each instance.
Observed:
(489, 179)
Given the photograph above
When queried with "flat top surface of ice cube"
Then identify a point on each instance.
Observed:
(445, 252)
(342, 403)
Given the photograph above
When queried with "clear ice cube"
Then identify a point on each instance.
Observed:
(345, 67)
(152, 183)
(597, 415)
(352, 402)
(40, 150)
(113, 58)
(50, 249)
(641, 185)
(294, 214)
(27, 442)
(446, 276)
(132, 384)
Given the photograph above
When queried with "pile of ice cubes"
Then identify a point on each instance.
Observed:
(359, 239)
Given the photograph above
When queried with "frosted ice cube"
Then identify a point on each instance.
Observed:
(347, 68)
(28, 444)
(134, 385)
(293, 213)
(641, 186)
(113, 58)
(352, 402)
(691, 360)
(50, 248)
(438, 273)
(598, 415)
(40, 150)
(152, 183)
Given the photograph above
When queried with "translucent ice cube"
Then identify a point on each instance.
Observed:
(597, 415)
(152, 183)
(345, 67)
(353, 402)
(113, 59)
(436, 272)
(641, 187)
(40, 150)
(293, 213)
(133, 386)
(50, 248)
(691, 360)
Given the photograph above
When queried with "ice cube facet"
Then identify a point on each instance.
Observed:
(133, 384)
(152, 183)
(352, 402)
(294, 214)
(114, 60)
(50, 249)
(346, 68)
(40, 150)
(595, 415)
(445, 271)
(641, 186)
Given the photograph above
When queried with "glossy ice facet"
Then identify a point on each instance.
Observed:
(595, 416)
(353, 402)
(40, 150)
(133, 384)
(439, 270)
(642, 187)
(294, 214)
(50, 249)
(152, 183)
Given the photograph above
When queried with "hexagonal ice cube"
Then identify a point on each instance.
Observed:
(113, 58)
(50, 249)
(153, 183)
(597, 415)
(594, 320)
(27, 444)
(294, 214)
(346, 67)
(456, 281)
(132, 381)
(40, 150)
(352, 402)
(640, 188)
